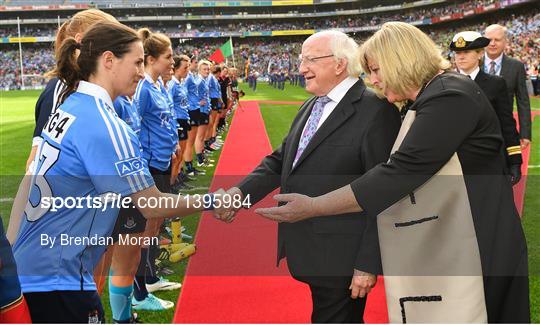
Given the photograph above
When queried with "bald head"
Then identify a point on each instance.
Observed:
(497, 34)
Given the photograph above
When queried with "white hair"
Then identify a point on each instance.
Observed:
(498, 27)
(342, 47)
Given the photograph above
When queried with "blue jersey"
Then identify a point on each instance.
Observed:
(178, 94)
(214, 87)
(126, 111)
(157, 138)
(174, 122)
(204, 94)
(88, 155)
(191, 83)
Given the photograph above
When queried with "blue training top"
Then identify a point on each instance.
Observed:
(88, 153)
(191, 83)
(157, 138)
(204, 94)
(126, 111)
(214, 87)
(178, 93)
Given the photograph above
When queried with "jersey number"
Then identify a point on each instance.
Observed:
(47, 158)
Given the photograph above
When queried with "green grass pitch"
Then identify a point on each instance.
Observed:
(17, 123)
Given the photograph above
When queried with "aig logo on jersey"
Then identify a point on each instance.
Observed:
(129, 166)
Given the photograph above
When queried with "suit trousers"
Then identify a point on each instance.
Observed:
(335, 305)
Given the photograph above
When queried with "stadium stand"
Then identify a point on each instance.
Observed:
(192, 35)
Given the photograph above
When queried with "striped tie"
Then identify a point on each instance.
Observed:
(492, 70)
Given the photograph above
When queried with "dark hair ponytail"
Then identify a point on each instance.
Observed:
(67, 68)
(102, 37)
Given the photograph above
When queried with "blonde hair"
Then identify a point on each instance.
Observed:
(407, 58)
(203, 62)
(78, 24)
(155, 44)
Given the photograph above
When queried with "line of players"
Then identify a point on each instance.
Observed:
(176, 110)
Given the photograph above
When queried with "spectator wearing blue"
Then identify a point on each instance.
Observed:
(158, 145)
(203, 93)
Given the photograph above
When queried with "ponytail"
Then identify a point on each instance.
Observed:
(67, 68)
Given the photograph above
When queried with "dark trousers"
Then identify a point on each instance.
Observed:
(65, 307)
(335, 305)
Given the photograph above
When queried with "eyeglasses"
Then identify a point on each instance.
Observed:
(308, 60)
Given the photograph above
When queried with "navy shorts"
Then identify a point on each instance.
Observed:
(65, 307)
(194, 117)
(183, 128)
(214, 103)
(130, 220)
(204, 119)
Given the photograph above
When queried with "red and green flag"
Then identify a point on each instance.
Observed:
(223, 52)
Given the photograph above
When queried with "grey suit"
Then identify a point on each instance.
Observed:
(513, 72)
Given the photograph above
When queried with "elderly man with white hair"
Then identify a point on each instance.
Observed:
(339, 134)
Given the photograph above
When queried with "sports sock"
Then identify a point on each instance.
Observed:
(120, 300)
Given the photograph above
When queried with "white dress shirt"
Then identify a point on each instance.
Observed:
(336, 95)
(498, 64)
(473, 74)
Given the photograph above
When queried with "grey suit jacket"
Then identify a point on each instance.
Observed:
(513, 72)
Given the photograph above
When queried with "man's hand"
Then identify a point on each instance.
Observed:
(361, 284)
(515, 173)
(525, 143)
(202, 102)
(227, 212)
(299, 207)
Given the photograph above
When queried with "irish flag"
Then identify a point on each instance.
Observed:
(223, 52)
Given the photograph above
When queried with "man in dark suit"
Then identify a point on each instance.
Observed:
(469, 50)
(338, 135)
(513, 72)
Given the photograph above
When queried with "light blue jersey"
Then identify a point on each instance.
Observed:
(204, 94)
(87, 154)
(157, 131)
(174, 122)
(214, 87)
(192, 82)
(127, 112)
(178, 93)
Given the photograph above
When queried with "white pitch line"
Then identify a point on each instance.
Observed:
(6, 199)
(534, 166)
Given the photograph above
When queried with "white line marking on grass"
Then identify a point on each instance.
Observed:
(6, 199)
(534, 166)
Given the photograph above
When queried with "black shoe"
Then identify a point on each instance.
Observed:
(185, 178)
(208, 148)
(195, 172)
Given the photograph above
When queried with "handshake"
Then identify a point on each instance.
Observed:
(291, 208)
(226, 204)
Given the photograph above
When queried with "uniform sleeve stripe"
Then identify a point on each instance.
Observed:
(121, 137)
(111, 133)
(109, 119)
(136, 177)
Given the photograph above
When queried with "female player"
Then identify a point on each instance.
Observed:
(48, 101)
(159, 140)
(87, 159)
(178, 93)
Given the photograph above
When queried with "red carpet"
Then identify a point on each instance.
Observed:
(233, 277)
(519, 188)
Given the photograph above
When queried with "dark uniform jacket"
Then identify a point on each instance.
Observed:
(494, 88)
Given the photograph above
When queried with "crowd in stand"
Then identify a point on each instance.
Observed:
(266, 58)
(413, 14)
